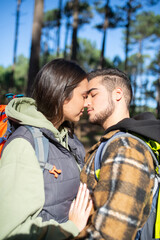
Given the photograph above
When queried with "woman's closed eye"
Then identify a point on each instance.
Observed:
(85, 96)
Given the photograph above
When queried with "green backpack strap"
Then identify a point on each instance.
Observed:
(155, 146)
(157, 223)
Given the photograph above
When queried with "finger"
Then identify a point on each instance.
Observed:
(78, 194)
(88, 210)
(72, 205)
(82, 197)
(85, 200)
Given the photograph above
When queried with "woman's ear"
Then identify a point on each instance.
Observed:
(117, 94)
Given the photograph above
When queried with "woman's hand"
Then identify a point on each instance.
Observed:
(80, 208)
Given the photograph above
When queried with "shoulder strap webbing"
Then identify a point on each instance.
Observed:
(41, 149)
(121, 134)
(100, 153)
(97, 161)
(41, 144)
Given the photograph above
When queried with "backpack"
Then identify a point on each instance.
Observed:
(41, 143)
(152, 226)
(5, 128)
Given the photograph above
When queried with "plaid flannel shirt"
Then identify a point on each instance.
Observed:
(123, 195)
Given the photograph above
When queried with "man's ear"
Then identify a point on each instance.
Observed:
(117, 94)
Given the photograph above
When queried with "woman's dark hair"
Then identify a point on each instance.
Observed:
(54, 84)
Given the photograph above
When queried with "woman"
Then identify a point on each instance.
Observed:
(36, 203)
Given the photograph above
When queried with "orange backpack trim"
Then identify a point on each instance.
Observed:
(5, 129)
(3, 126)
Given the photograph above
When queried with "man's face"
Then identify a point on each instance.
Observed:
(99, 103)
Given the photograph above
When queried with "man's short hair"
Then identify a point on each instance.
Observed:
(112, 78)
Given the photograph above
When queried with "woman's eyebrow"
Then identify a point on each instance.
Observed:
(85, 92)
(90, 90)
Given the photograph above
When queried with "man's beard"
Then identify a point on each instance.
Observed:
(101, 117)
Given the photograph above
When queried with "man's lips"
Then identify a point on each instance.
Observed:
(89, 110)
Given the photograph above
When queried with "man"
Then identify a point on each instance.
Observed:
(122, 193)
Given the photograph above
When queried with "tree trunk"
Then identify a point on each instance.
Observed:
(127, 35)
(66, 38)
(16, 31)
(75, 27)
(134, 90)
(158, 93)
(35, 46)
(45, 49)
(11, 84)
(158, 99)
(105, 26)
(140, 72)
(59, 27)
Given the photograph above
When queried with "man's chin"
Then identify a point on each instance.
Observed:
(94, 121)
(90, 120)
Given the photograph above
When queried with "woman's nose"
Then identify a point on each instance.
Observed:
(87, 102)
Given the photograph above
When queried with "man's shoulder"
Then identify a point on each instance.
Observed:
(104, 138)
(109, 135)
(129, 144)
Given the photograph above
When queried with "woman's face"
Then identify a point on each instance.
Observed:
(74, 107)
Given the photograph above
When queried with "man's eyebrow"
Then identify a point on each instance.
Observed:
(90, 90)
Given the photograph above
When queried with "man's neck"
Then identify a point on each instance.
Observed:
(114, 119)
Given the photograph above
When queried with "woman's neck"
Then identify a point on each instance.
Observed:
(57, 124)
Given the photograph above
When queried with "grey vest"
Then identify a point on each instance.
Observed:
(60, 191)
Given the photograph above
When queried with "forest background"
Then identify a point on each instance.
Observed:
(95, 33)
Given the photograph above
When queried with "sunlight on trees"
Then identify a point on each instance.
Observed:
(141, 31)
